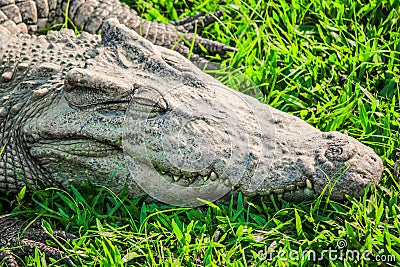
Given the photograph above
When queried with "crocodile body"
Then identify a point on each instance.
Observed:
(64, 105)
(33, 237)
(64, 97)
(35, 16)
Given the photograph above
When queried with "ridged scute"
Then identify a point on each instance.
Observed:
(32, 70)
(46, 70)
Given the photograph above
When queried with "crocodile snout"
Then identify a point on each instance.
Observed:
(345, 166)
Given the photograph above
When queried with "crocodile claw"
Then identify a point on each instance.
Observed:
(197, 22)
(189, 27)
(18, 239)
(182, 36)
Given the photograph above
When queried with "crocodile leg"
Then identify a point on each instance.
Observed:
(10, 259)
(22, 242)
(198, 22)
(32, 17)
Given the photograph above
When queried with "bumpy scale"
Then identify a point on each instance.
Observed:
(64, 99)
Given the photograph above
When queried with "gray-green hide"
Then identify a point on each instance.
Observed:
(63, 104)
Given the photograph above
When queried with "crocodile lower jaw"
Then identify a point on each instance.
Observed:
(185, 178)
(301, 190)
(74, 149)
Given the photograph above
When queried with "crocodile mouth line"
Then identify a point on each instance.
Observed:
(187, 179)
(200, 179)
(77, 147)
(302, 188)
(93, 148)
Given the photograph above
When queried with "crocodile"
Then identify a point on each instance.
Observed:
(75, 107)
(33, 237)
(37, 16)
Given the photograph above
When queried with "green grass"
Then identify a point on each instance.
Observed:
(336, 65)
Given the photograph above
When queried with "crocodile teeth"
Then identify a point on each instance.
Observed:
(205, 178)
(176, 178)
(227, 182)
(301, 184)
(291, 187)
(213, 176)
(278, 191)
(309, 184)
(191, 180)
(204, 172)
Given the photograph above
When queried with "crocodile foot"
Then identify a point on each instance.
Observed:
(19, 239)
(196, 24)
(183, 36)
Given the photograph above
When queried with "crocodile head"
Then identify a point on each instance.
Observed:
(341, 163)
(191, 135)
(179, 129)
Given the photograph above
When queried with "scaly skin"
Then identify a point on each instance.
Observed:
(69, 104)
(33, 16)
(65, 123)
(25, 238)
